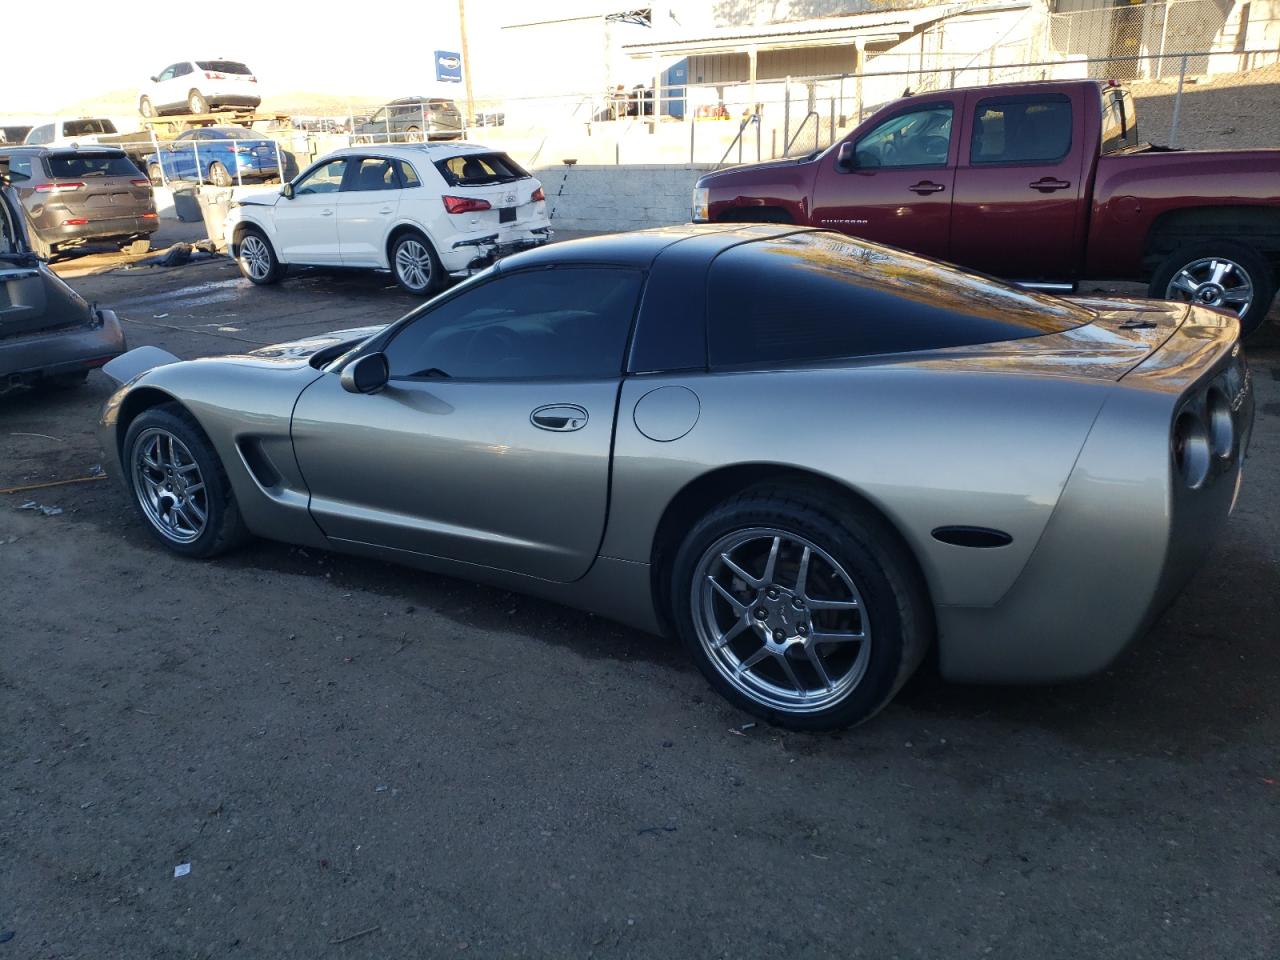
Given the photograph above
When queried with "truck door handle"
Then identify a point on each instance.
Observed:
(1049, 184)
(926, 186)
(559, 417)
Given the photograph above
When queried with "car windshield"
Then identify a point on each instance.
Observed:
(479, 169)
(224, 66)
(83, 164)
(83, 128)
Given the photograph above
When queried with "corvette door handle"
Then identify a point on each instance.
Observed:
(1049, 184)
(326, 213)
(385, 210)
(926, 186)
(559, 417)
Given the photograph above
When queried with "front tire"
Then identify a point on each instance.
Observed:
(219, 175)
(196, 103)
(178, 484)
(808, 614)
(1218, 273)
(257, 261)
(416, 267)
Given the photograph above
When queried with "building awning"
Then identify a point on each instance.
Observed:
(866, 28)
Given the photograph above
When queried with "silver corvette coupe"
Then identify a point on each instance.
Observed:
(814, 459)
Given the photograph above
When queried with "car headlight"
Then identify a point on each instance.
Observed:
(701, 205)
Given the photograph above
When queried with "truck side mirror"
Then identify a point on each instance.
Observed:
(845, 158)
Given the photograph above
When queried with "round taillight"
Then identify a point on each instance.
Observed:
(1191, 448)
(1222, 430)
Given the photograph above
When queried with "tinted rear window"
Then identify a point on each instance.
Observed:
(83, 128)
(479, 169)
(822, 296)
(224, 66)
(1033, 129)
(84, 164)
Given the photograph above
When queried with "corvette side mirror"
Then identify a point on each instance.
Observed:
(287, 191)
(369, 374)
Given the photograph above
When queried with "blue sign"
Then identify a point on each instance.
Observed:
(448, 66)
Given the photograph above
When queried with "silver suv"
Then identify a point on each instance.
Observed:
(410, 120)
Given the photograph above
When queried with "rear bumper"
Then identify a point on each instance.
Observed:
(232, 100)
(468, 254)
(25, 359)
(1127, 533)
(98, 229)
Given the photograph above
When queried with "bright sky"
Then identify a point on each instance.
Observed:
(290, 46)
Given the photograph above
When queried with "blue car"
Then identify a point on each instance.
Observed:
(218, 155)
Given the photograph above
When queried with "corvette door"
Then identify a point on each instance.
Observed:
(306, 223)
(367, 207)
(490, 444)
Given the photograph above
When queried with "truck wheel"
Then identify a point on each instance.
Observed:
(1218, 273)
(196, 103)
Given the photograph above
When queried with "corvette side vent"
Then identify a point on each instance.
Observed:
(978, 537)
(259, 464)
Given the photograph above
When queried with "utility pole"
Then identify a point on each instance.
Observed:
(469, 117)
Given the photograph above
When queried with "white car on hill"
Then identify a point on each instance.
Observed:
(422, 211)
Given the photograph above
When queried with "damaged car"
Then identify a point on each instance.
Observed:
(49, 334)
(425, 212)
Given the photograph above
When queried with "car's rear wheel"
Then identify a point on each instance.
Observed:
(806, 614)
(1219, 273)
(415, 264)
(145, 108)
(179, 485)
(196, 103)
(413, 134)
(219, 175)
(257, 261)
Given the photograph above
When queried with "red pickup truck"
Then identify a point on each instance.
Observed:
(1041, 183)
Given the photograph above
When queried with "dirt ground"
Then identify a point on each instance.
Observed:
(359, 760)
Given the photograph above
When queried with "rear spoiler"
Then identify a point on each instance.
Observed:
(136, 362)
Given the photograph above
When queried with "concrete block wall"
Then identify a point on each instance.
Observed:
(618, 198)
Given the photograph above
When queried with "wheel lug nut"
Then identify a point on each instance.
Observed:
(779, 636)
(802, 629)
(762, 614)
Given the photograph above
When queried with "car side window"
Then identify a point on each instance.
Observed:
(165, 74)
(181, 69)
(372, 173)
(564, 323)
(408, 176)
(42, 134)
(919, 138)
(326, 178)
(1021, 130)
(20, 165)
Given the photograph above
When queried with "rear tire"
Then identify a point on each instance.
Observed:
(196, 103)
(753, 627)
(1187, 275)
(415, 265)
(145, 107)
(413, 135)
(256, 259)
(178, 484)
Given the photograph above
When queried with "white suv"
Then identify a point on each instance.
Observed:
(422, 211)
(199, 86)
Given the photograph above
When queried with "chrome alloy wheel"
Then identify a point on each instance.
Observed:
(169, 486)
(1213, 282)
(780, 619)
(413, 264)
(255, 257)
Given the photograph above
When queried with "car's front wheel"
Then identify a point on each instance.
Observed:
(805, 613)
(257, 261)
(219, 175)
(179, 485)
(415, 264)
